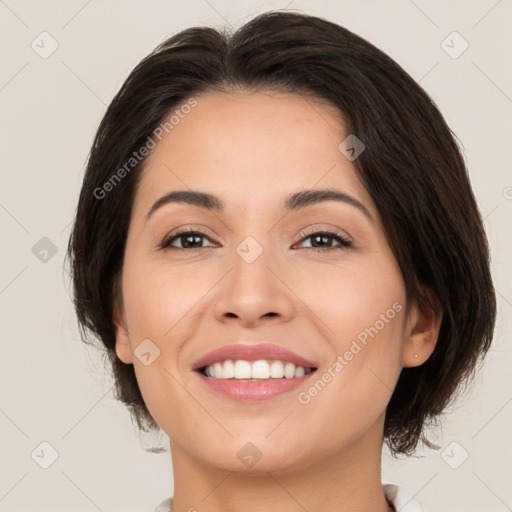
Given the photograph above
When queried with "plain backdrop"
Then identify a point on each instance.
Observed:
(57, 408)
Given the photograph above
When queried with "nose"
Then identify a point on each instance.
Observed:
(254, 293)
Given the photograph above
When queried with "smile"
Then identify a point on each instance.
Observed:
(255, 370)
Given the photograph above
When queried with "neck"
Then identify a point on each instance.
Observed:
(341, 481)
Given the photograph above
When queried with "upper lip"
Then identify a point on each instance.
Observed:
(252, 353)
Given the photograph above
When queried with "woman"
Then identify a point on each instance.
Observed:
(278, 245)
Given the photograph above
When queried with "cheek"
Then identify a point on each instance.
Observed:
(353, 296)
(158, 298)
(360, 310)
(163, 304)
(159, 301)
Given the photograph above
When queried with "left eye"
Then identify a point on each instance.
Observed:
(323, 240)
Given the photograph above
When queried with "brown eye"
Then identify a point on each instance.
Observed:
(188, 239)
(322, 240)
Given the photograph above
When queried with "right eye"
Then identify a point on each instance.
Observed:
(188, 239)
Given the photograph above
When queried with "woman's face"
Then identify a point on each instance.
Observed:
(259, 274)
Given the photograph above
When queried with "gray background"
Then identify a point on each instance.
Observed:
(55, 390)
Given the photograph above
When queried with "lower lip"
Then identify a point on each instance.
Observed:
(247, 391)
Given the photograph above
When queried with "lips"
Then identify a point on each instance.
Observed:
(252, 353)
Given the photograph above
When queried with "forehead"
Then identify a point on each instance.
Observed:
(253, 148)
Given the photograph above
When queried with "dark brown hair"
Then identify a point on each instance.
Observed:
(412, 168)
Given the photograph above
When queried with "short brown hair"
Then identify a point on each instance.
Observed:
(412, 167)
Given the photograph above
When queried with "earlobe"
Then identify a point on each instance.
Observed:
(421, 335)
(123, 348)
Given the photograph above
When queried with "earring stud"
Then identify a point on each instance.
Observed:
(415, 355)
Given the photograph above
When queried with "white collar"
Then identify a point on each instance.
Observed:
(402, 500)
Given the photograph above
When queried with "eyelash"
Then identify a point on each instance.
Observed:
(344, 242)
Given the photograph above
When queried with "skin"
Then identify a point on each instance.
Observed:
(253, 150)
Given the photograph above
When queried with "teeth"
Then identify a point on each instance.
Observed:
(228, 371)
(258, 370)
(217, 369)
(289, 370)
(300, 371)
(276, 370)
(242, 370)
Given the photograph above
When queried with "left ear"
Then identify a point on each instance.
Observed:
(422, 331)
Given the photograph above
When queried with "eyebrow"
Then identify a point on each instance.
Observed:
(293, 202)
